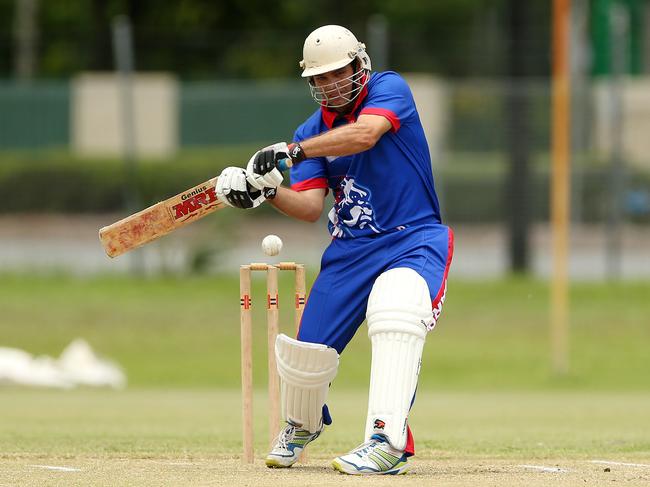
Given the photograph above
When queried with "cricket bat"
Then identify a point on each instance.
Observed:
(160, 219)
(164, 217)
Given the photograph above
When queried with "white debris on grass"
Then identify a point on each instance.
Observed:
(19, 367)
(77, 366)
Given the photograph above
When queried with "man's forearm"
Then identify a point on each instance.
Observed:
(342, 141)
(306, 206)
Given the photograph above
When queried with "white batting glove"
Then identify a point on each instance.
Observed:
(233, 189)
(262, 169)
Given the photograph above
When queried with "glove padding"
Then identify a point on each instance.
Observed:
(262, 169)
(234, 190)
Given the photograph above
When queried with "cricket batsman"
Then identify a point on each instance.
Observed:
(389, 256)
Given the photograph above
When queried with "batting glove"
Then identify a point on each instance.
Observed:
(263, 170)
(234, 190)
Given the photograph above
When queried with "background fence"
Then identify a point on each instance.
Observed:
(471, 167)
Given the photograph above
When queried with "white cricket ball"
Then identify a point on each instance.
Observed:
(271, 245)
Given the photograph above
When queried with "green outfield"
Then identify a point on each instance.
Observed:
(184, 332)
(489, 410)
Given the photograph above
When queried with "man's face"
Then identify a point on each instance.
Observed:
(335, 86)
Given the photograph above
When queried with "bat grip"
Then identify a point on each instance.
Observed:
(284, 164)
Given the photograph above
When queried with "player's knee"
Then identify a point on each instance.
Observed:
(399, 302)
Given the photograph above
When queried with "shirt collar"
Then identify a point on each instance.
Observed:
(330, 116)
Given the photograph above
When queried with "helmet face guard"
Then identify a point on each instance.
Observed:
(327, 49)
(346, 90)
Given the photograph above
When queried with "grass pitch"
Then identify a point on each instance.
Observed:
(192, 437)
(489, 410)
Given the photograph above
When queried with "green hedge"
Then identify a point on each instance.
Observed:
(470, 191)
(59, 183)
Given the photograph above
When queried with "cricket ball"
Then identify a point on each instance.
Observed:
(271, 245)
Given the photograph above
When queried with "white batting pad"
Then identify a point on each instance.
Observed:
(306, 370)
(399, 310)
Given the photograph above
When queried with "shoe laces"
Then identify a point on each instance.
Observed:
(286, 435)
(368, 445)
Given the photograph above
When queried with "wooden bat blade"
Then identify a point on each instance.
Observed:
(160, 219)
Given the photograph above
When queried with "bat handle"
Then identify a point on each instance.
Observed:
(284, 164)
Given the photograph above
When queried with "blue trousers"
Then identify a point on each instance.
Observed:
(336, 306)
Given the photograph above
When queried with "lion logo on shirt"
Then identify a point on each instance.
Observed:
(352, 209)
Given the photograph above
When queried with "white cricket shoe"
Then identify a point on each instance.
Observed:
(291, 441)
(373, 457)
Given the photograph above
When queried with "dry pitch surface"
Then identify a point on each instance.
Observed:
(180, 437)
(228, 471)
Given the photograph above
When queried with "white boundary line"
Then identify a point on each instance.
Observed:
(52, 467)
(623, 464)
(544, 469)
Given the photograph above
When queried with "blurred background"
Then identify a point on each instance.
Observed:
(107, 106)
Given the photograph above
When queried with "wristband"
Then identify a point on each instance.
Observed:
(270, 193)
(296, 153)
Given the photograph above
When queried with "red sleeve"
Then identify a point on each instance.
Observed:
(312, 183)
(383, 112)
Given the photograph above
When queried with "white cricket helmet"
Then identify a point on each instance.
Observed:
(329, 48)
